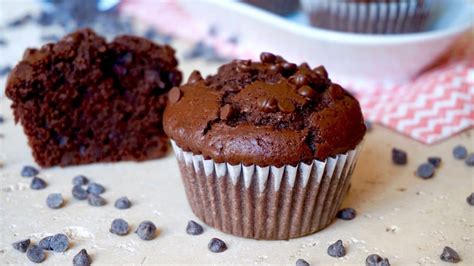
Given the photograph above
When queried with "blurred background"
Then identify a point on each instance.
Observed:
(409, 62)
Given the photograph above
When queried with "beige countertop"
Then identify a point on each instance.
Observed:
(400, 216)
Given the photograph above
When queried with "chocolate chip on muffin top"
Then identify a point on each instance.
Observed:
(271, 112)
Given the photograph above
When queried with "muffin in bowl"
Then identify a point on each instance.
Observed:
(265, 149)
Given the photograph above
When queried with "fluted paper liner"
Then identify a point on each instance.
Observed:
(369, 17)
(266, 202)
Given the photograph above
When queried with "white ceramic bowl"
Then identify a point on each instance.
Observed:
(347, 56)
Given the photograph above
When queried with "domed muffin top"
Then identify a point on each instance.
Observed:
(271, 112)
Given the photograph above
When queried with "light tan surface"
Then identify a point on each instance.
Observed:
(402, 217)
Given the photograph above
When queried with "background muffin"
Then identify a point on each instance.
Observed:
(265, 149)
(369, 16)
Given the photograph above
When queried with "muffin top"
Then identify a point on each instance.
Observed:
(271, 112)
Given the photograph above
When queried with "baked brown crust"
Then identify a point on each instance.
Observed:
(280, 114)
(84, 100)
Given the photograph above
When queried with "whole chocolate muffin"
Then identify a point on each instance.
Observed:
(266, 149)
(84, 100)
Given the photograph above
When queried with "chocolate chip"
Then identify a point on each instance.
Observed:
(243, 68)
(470, 160)
(80, 180)
(460, 152)
(119, 227)
(59, 243)
(470, 199)
(79, 192)
(321, 71)
(122, 203)
(35, 254)
(346, 214)
(376, 260)
(425, 171)
(336, 91)
(337, 249)
(307, 91)
(299, 79)
(450, 255)
(399, 157)
(301, 262)
(194, 228)
(146, 230)
(21, 245)
(226, 112)
(37, 183)
(217, 246)
(267, 105)
(268, 58)
(95, 200)
(286, 106)
(82, 259)
(276, 68)
(174, 95)
(29, 171)
(194, 77)
(95, 188)
(289, 68)
(55, 201)
(435, 161)
(45, 243)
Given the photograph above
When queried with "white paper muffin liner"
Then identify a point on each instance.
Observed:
(382, 17)
(266, 202)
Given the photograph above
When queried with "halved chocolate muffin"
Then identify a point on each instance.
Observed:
(84, 100)
(265, 149)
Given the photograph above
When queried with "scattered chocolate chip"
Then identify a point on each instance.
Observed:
(425, 170)
(376, 260)
(194, 228)
(301, 262)
(37, 183)
(336, 91)
(146, 230)
(399, 157)
(217, 246)
(460, 152)
(337, 249)
(299, 79)
(470, 160)
(435, 161)
(321, 71)
(289, 68)
(194, 77)
(267, 58)
(307, 91)
(244, 68)
(276, 68)
(450, 255)
(119, 227)
(95, 200)
(368, 125)
(29, 171)
(286, 106)
(55, 200)
(122, 203)
(226, 112)
(79, 192)
(346, 214)
(21, 245)
(59, 243)
(82, 259)
(267, 105)
(5, 70)
(80, 180)
(36, 254)
(174, 95)
(95, 188)
(45, 243)
(470, 199)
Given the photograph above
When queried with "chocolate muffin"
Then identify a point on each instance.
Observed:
(84, 100)
(265, 149)
(370, 16)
